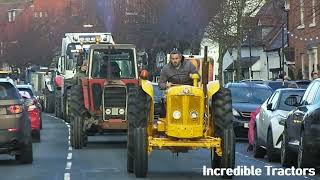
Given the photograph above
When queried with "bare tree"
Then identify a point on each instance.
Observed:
(228, 27)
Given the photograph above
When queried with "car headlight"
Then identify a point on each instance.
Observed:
(121, 111)
(235, 112)
(176, 114)
(108, 111)
(194, 114)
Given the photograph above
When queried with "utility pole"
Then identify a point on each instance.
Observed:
(250, 50)
(283, 44)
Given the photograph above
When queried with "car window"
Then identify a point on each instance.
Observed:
(271, 98)
(8, 92)
(249, 95)
(274, 100)
(28, 90)
(306, 94)
(312, 93)
(285, 95)
(317, 98)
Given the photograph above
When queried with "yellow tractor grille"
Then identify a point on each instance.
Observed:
(188, 106)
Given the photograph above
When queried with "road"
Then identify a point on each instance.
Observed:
(105, 158)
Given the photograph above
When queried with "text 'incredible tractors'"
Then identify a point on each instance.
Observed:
(198, 116)
(99, 100)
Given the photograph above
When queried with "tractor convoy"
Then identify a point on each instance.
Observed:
(99, 87)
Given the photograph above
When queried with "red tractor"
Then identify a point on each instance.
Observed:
(99, 98)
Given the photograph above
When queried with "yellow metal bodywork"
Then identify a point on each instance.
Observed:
(184, 99)
(148, 88)
(185, 132)
(213, 87)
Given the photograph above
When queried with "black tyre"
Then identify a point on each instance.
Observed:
(288, 156)
(223, 123)
(49, 101)
(67, 114)
(258, 151)
(138, 111)
(57, 110)
(26, 154)
(36, 136)
(304, 159)
(141, 152)
(271, 151)
(77, 135)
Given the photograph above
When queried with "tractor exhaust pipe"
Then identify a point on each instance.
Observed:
(205, 69)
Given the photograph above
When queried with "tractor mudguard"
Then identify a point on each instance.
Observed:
(148, 89)
(213, 87)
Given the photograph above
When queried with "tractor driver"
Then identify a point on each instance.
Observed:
(176, 72)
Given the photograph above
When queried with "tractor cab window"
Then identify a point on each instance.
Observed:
(114, 64)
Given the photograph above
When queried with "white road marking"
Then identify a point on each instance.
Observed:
(69, 156)
(66, 176)
(69, 164)
(70, 148)
(253, 159)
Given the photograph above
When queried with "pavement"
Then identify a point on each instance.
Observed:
(105, 158)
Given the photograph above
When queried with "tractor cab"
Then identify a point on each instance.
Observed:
(99, 100)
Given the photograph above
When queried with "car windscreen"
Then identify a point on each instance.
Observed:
(249, 95)
(113, 63)
(279, 84)
(8, 92)
(285, 95)
(303, 85)
(28, 90)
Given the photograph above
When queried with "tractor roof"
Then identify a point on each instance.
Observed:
(113, 46)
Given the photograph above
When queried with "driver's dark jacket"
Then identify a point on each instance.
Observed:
(177, 76)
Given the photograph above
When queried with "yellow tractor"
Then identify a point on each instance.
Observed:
(198, 116)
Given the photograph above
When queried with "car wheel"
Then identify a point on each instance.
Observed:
(271, 151)
(36, 136)
(26, 154)
(287, 155)
(304, 157)
(258, 151)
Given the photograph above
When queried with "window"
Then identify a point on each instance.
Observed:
(312, 94)
(274, 100)
(8, 92)
(40, 14)
(301, 14)
(35, 14)
(313, 14)
(10, 16)
(116, 64)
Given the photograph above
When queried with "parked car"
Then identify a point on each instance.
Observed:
(301, 135)
(34, 115)
(28, 88)
(280, 84)
(303, 84)
(246, 98)
(158, 94)
(255, 81)
(15, 129)
(268, 130)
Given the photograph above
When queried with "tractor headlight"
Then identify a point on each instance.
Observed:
(108, 111)
(235, 112)
(121, 111)
(193, 114)
(176, 115)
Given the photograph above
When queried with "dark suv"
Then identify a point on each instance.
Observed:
(301, 135)
(15, 130)
(246, 98)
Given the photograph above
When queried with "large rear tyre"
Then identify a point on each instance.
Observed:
(57, 111)
(138, 112)
(222, 121)
(141, 152)
(67, 114)
(78, 135)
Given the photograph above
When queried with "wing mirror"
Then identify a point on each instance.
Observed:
(282, 121)
(291, 101)
(269, 107)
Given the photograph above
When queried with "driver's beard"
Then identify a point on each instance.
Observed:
(177, 65)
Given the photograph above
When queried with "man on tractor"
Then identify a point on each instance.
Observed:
(177, 71)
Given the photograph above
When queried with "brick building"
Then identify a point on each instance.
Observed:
(304, 36)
